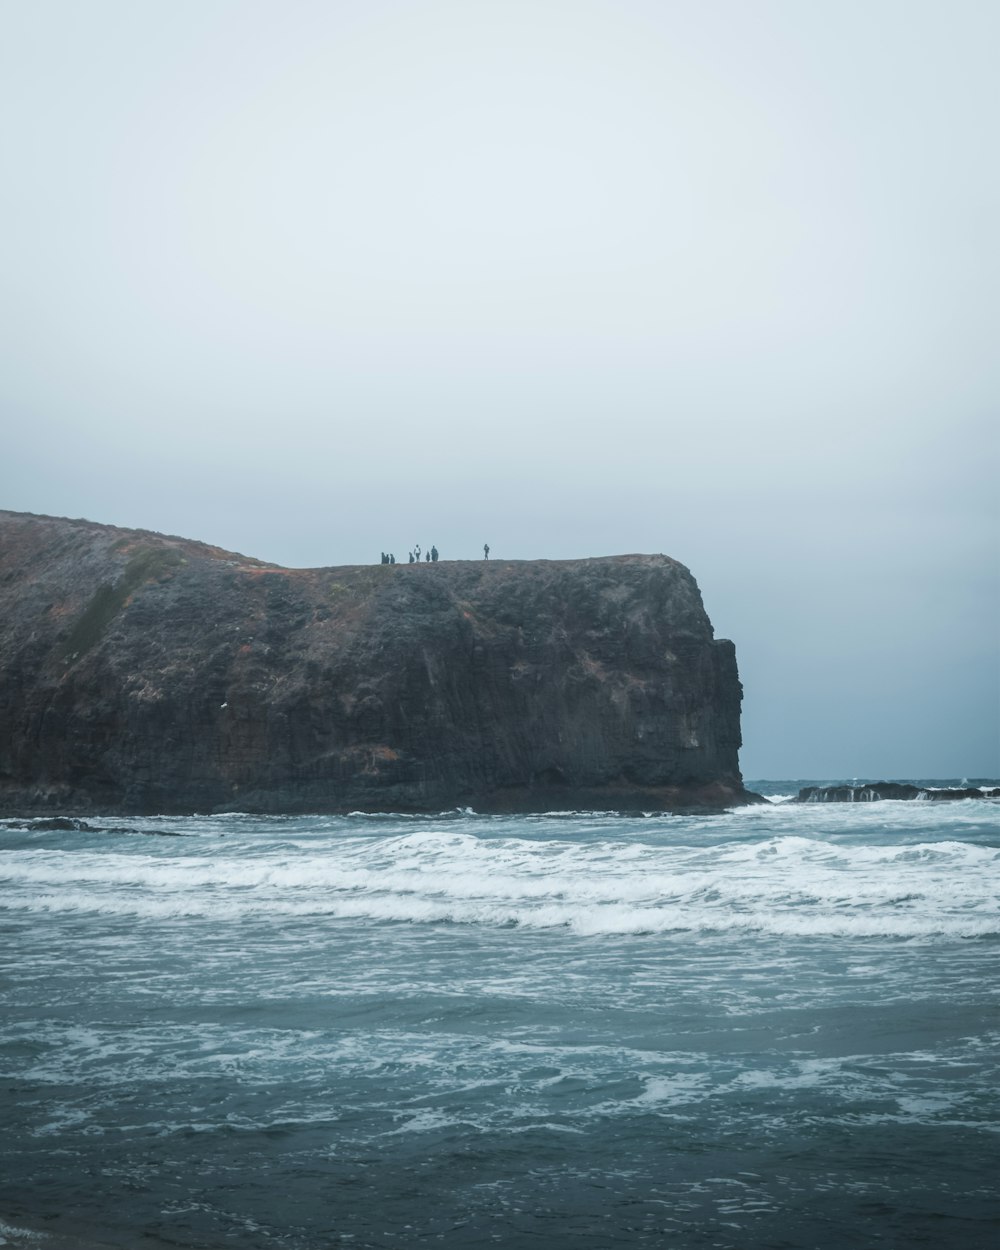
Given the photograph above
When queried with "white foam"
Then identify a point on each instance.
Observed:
(795, 879)
(12, 1233)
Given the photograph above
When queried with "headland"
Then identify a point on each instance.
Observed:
(145, 673)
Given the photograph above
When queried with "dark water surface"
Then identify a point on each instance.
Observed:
(772, 1028)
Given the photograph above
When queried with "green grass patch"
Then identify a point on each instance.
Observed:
(108, 599)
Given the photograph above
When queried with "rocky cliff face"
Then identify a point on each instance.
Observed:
(142, 673)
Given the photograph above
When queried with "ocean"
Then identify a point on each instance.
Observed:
(774, 1027)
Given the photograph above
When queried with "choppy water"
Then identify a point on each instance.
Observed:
(776, 1027)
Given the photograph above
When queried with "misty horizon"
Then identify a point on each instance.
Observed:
(570, 279)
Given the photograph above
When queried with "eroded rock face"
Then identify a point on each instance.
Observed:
(143, 673)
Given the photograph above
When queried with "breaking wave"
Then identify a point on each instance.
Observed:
(786, 884)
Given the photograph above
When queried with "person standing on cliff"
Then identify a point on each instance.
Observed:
(434, 554)
(486, 551)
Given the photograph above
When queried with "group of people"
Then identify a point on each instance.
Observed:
(430, 557)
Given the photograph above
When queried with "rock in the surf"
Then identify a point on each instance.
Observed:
(874, 791)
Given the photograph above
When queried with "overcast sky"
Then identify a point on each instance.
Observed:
(316, 280)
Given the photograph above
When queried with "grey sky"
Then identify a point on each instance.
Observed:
(317, 280)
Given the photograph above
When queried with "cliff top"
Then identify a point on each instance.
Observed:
(25, 533)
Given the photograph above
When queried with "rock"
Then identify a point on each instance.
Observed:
(53, 823)
(49, 824)
(144, 673)
(876, 790)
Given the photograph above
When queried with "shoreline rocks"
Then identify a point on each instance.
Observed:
(875, 791)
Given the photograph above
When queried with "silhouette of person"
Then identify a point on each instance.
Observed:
(392, 558)
(427, 557)
(434, 554)
(486, 551)
(411, 557)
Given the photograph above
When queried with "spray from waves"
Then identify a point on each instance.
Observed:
(785, 885)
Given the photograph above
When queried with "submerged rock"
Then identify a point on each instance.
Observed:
(144, 673)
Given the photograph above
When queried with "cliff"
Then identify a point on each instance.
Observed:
(144, 673)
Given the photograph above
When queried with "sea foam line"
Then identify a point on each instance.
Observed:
(586, 919)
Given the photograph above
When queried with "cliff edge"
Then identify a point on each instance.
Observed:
(143, 673)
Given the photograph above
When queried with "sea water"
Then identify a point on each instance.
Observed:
(773, 1027)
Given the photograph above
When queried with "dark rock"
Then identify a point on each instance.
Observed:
(144, 673)
(50, 824)
(875, 790)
